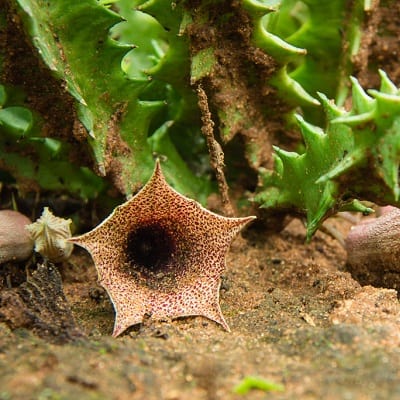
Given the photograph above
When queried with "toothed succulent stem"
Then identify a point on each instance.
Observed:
(291, 32)
(356, 155)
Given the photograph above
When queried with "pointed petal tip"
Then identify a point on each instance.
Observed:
(225, 325)
(120, 326)
(117, 331)
(220, 320)
(157, 173)
(157, 167)
(245, 220)
(214, 313)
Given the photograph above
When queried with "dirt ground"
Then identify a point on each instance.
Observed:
(297, 319)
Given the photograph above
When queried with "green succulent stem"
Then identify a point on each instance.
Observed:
(356, 155)
(119, 109)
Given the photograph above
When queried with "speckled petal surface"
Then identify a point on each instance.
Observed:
(161, 254)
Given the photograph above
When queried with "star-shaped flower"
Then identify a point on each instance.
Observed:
(161, 254)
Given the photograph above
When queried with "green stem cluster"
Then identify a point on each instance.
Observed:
(355, 155)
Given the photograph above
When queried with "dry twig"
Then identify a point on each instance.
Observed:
(215, 151)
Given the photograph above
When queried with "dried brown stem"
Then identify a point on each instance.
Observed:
(215, 151)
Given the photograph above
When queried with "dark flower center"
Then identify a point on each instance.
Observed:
(150, 248)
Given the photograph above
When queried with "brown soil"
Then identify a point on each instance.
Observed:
(297, 318)
(240, 97)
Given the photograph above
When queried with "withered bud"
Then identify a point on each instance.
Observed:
(49, 234)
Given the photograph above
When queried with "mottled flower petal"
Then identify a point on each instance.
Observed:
(161, 254)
